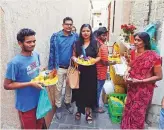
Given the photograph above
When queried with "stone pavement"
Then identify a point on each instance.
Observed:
(100, 121)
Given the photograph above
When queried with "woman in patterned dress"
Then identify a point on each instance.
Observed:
(144, 70)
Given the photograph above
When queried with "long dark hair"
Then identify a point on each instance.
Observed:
(81, 37)
(80, 42)
(146, 39)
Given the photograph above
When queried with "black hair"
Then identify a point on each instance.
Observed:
(100, 24)
(80, 42)
(83, 26)
(67, 18)
(74, 27)
(146, 39)
(24, 32)
(101, 30)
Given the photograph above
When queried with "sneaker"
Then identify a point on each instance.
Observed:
(58, 114)
(69, 108)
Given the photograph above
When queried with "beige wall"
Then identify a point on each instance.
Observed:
(126, 12)
(8, 112)
(122, 16)
(43, 16)
(117, 19)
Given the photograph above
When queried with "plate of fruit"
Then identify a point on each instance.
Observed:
(47, 77)
(85, 61)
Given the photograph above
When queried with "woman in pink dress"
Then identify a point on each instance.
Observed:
(143, 71)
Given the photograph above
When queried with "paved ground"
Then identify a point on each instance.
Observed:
(100, 121)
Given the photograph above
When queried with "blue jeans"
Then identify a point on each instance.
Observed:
(161, 119)
(100, 84)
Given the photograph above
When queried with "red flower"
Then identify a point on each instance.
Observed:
(128, 29)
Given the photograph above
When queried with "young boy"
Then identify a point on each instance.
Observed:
(161, 118)
(20, 70)
(102, 65)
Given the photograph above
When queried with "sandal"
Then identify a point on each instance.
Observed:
(89, 118)
(77, 116)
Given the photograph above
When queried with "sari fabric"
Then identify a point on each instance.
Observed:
(139, 95)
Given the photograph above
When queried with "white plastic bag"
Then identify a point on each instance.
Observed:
(108, 87)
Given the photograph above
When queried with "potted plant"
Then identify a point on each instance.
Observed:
(128, 31)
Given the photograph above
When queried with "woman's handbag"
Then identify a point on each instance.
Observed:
(73, 75)
(44, 104)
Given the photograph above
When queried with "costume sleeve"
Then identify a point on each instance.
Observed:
(12, 71)
(53, 56)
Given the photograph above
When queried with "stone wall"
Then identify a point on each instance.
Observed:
(139, 13)
(43, 16)
(147, 11)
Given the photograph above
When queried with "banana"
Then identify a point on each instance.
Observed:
(87, 62)
(46, 81)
